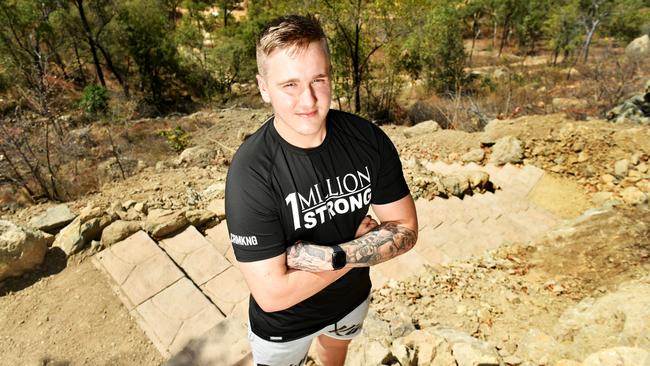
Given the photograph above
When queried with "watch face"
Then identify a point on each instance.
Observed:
(338, 259)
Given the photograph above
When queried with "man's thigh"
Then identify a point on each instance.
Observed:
(266, 353)
(349, 326)
(294, 353)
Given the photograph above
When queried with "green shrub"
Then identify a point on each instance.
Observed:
(177, 138)
(94, 99)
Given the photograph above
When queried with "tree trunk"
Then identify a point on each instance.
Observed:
(356, 62)
(109, 64)
(57, 58)
(504, 34)
(19, 178)
(590, 34)
(91, 41)
(476, 31)
(79, 66)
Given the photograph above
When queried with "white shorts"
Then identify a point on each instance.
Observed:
(294, 353)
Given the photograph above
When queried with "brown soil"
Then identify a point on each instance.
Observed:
(67, 314)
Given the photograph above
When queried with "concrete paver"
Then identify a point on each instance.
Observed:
(139, 267)
(218, 235)
(176, 315)
(198, 257)
(227, 290)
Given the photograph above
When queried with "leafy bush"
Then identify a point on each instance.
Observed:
(436, 54)
(94, 99)
(177, 138)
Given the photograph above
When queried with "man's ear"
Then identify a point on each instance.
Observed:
(264, 91)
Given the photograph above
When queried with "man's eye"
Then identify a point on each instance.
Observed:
(319, 81)
(289, 85)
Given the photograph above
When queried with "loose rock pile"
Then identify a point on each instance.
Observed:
(635, 109)
(470, 312)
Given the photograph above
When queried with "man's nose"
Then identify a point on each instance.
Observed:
(308, 96)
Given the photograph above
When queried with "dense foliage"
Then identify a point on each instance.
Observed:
(163, 53)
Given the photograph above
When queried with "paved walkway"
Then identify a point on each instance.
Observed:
(452, 229)
(188, 295)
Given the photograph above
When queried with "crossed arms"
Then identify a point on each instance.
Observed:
(283, 281)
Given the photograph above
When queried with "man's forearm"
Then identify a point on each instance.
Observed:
(384, 242)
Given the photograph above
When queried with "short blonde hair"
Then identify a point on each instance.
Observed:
(292, 31)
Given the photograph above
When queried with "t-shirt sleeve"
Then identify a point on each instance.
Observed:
(390, 185)
(252, 217)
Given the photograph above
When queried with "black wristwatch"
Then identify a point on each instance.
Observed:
(339, 258)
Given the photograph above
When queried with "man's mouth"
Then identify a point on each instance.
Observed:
(308, 114)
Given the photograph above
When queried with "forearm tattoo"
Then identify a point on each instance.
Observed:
(309, 257)
(384, 242)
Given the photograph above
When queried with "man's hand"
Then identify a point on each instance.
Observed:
(311, 257)
(367, 224)
(376, 243)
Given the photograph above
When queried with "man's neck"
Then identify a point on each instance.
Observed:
(298, 140)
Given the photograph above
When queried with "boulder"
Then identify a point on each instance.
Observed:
(118, 231)
(634, 196)
(619, 356)
(214, 191)
(474, 155)
(21, 249)
(536, 344)
(53, 219)
(639, 47)
(635, 109)
(455, 185)
(507, 149)
(86, 227)
(372, 346)
(644, 186)
(199, 217)
(197, 156)
(465, 349)
(131, 210)
(422, 128)
(421, 348)
(600, 198)
(478, 179)
(618, 318)
(621, 168)
(218, 206)
(161, 223)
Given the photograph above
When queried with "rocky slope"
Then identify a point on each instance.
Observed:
(527, 304)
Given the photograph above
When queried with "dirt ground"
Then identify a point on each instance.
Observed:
(67, 313)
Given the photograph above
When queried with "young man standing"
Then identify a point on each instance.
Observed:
(297, 194)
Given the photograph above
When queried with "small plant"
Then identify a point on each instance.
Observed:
(94, 99)
(177, 138)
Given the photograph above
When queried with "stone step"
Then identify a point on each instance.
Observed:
(139, 267)
(218, 235)
(176, 315)
(227, 289)
(225, 344)
(166, 304)
(198, 257)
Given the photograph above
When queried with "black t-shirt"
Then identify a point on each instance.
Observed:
(277, 193)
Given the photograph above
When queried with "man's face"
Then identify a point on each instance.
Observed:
(297, 84)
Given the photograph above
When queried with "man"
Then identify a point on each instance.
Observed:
(297, 194)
